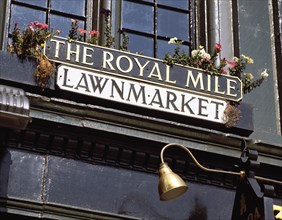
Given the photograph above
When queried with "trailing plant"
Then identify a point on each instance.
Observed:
(125, 40)
(108, 30)
(76, 33)
(29, 44)
(199, 58)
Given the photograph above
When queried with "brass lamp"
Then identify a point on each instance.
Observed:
(172, 186)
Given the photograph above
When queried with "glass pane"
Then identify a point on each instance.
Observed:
(183, 4)
(280, 22)
(24, 16)
(141, 45)
(137, 17)
(42, 3)
(164, 47)
(69, 6)
(173, 24)
(63, 24)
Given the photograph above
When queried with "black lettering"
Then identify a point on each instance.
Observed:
(201, 107)
(65, 78)
(116, 87)
(136, 96)
(83, 83)
(216, 108)
(157, 99)
(186, 104)
(98, 85)
(171, 98)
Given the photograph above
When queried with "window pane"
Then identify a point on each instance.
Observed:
(69, 6)
(42, 3)
(140, 44)
(63, 24)
(137, 17)
(280, 22)
(164, 47)
(23, 16)
(173, 24)
(183, 4)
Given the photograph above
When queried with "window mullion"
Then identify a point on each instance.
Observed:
(155, 27)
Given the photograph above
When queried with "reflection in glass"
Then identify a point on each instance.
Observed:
(23, 16)
(164, 47)
(173, 24)
(183, 4)
(137, 17)
(69, 6)
(63, 24)
(140, 44)
(42, 3)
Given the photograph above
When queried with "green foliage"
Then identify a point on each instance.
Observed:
(30, 42)
(201, 59)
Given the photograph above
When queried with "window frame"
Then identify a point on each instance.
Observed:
(90, 20)
(190, 41)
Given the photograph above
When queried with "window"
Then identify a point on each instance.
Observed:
(55, 13)
(150, 24)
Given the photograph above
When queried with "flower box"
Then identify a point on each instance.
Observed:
(17, 70)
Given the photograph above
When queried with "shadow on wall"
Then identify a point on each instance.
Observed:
(140, 204)
(199, 212)
(5, 163)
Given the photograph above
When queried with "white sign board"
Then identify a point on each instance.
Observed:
(140, 94)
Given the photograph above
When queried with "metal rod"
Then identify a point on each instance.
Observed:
(240, 174)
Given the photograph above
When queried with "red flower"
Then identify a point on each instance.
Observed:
(93, 33)
(82, 31)
(217, 47)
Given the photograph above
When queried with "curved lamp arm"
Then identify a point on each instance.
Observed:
(241, 173)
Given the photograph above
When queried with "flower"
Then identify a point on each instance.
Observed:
(206, 56)
(94, 33)
(194, 53)
(94, 37)
(236, 59)
(248, 76)
(38, 25)
(173, 40)
(248, 59)
(202, 52)
(264, 74)
(81, 31)
(217, 47)
(231, 64)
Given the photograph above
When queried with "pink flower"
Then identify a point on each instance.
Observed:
(231, 64)
(82, 31)
(41, 26)
(36, 24)
(93, 33)
(217, 47)
(31, 27)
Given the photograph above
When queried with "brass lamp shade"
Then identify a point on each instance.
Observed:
(170, 184)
